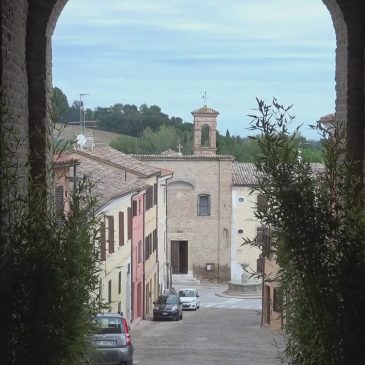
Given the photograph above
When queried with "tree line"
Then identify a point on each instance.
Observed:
(147, 130)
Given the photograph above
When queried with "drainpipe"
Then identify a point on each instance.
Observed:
(219, 213)
(168, 258)
(144, 274)
(157, 225)
(132, 266)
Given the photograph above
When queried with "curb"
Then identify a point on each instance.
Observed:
(238, 296)
(135, 323)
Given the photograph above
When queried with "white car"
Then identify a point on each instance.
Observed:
(190, 298)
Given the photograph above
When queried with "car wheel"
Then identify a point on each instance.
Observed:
(178, 317)
(130, 362)
(181, 317)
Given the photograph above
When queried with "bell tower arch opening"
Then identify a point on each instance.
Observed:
(205, 131)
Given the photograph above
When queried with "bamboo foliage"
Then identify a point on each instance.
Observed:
(318, 223)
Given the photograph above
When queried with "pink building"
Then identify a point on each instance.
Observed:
(137, 255)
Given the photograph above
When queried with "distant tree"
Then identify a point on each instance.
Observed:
(228, 135)
(165, 138)
(74, 112)
(60, 107)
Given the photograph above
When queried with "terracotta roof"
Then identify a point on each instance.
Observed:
(118, 159)
(244, 173)
(108, 181)
(62, 160)
(205, 110)
(183, 157)
(166, 172)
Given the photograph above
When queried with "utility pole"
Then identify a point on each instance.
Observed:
(82, 115)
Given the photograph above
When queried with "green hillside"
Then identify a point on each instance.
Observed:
(70, 132)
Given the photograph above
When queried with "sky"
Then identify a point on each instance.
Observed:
(170, 52)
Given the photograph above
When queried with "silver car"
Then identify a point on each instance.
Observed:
(190, 298)
(112, 341)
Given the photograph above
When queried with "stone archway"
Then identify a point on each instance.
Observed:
(348, 19)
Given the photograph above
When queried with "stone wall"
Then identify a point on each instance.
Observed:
(208, 236)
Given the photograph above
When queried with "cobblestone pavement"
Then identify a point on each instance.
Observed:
(216, 334)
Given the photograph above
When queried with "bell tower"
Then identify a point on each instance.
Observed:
(205, 127)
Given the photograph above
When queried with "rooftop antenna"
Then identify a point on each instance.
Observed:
(205, 98)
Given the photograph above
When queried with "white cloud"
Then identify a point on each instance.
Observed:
(168, 52)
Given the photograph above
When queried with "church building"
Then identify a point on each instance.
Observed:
(199, 204)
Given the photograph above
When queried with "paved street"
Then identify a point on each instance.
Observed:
(223, 331)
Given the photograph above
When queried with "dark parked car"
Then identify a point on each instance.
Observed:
(112, 341)
(167, 307)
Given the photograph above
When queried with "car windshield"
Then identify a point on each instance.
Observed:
(109, 325)
(186, 293)
(167, 300)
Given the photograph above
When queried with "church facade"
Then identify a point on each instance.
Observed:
(199, 204)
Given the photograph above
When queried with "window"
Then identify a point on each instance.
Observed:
(240, 231)
(150, 243)
(277, 300)
(110, 220)
(134, 207)
(119, 282)
(154, 194)
(102, 242)
(146, 249)
(59, 199)
(154, 240)
(121, 228)
(204, 205)
(205, 136)
(241, 199)
(129, 214)
(261, 203)
(140, 251)
(109, 291)
(149, 197)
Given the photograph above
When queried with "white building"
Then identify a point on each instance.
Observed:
(244, 223)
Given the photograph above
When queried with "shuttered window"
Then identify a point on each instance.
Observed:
(150, 242)
(109, 291)
(129, 215)
(146, 249)
(135, 208)
(140, 253)
(154, 239)
(102, 242)
(121, 228)
(261, 202)
(154, 194)
(110, 219)
(149, 197)
(60, 204)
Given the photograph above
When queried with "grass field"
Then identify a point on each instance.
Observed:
(70, 132)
